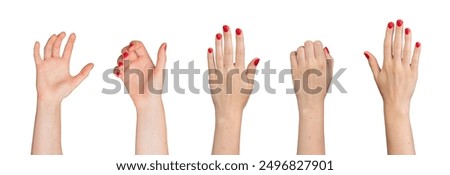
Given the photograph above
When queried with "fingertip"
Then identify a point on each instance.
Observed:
(317, 43)
(399, 22)
(256, 61)
(367, 54)
(293, 53)
(72, 36)
(116, 71)
(238, 32)
(418, 44)
(218, 36)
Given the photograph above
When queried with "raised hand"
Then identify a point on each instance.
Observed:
(396, 81)
(312, 69)
(144, 82)
(53, 83)
(231, 85)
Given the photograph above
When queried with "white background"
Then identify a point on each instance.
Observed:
(99, 128)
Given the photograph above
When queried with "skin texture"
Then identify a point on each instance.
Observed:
(53, 84)
(144, 82)
(229, 101)
(396, 81)
(312, 69)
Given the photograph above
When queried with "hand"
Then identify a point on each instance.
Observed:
(396, 82)
(53, 84)
(143, 79)
(397, 79)
(144, 82)
(230, 91)
(54, 81)
(231, 85)
(312, 70)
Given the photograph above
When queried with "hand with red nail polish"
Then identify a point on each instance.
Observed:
(229, 90)
(53, 84)
(396, 81)
(312, 71)
(144, 81)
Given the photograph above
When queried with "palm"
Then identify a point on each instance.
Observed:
(53, 78)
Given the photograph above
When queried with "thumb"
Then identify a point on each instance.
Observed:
(252, 67)
(162, 57)
(83, 74)
(373, 64)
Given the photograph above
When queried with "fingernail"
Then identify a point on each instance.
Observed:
(238, 31)
(326, 48)
(210, 50)
(218, 36)
(418, 44)
(120, 64)
(165, 47)
(399, 23)
(367, 55)
(407, 31)
(125, 54)
(116, 72)
(391, 25)
(256, 62)
(225, 28)
(131, 45)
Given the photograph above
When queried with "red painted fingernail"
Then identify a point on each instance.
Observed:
(131, 45)
(218, 36)
(256, 62)
(210, 50)
(238, 31)
(391, 25)
(125, 54)
(120, 64)
(399, 23)
(165, 47)
(116, 72)
(326, 48)
(407, 31)
(367, 55)
(418, 44)
(225, 28)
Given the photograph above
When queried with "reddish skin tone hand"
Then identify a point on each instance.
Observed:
(229, 106)
(311, 56)
(396, 81)
(151, 132)
(53, 84)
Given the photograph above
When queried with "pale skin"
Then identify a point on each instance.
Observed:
(229, 101)
(53, 84)
(396, 81)
(144, 80)
(312, 69)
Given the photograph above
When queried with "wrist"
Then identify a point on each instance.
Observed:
(48, 99)
(144, 103)
(229, 118)
(45, 101)
(311, 106)
(396, 108)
